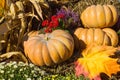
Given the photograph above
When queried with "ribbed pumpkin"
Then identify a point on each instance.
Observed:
(106, 36)
(99, 16)
(49, 48)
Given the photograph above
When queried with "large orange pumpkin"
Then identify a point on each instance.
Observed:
(99, 16)
(104, 36)
(50, 48)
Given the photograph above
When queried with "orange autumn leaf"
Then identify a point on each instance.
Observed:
(96, 60)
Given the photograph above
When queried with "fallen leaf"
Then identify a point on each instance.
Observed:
(96, 60)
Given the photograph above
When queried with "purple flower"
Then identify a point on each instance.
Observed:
(70, 17)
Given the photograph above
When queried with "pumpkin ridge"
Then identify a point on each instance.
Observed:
(66, 35)
(69, 38)
(25, 48)
(44, 53)
(86, 16)
(82, 35)
(63, 43)
(96, 16)
(87, 36)
(108, 16)
(68, 49)
(109, 41)
(51, 53)
(62, 57)
(105, 15)
(59, 33)
(109, 35)
(31, 51)
(103, 41)
(111, 16)
(112, 35)
(35, 37)
(56, 49)
(102, 19)
(39, 59)
(78, 31)
(93, 16)
(114, 14)
(102, 36)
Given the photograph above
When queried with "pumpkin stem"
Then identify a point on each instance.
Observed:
(46, 37)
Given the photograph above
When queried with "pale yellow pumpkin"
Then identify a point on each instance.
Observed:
(50, 48)
(106, 36)
(99, 16)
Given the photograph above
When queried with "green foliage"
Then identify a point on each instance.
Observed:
(66, 77)
(19, 71)
(23, 71)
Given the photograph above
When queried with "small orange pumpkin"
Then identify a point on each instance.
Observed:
(50, 48)
(104, 36)
(99, 16)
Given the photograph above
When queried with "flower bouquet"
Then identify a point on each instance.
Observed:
(64, 19)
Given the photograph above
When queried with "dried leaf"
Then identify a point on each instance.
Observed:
(13, 10)
(20, 6)
(43, 3)
(96, 60)
(2, 5)
(37, 7)
(8, 55)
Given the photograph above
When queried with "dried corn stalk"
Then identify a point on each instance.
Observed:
(2, 4)
(14, 56)
(19, 20)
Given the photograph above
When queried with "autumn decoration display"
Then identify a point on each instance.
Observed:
(59, 39)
